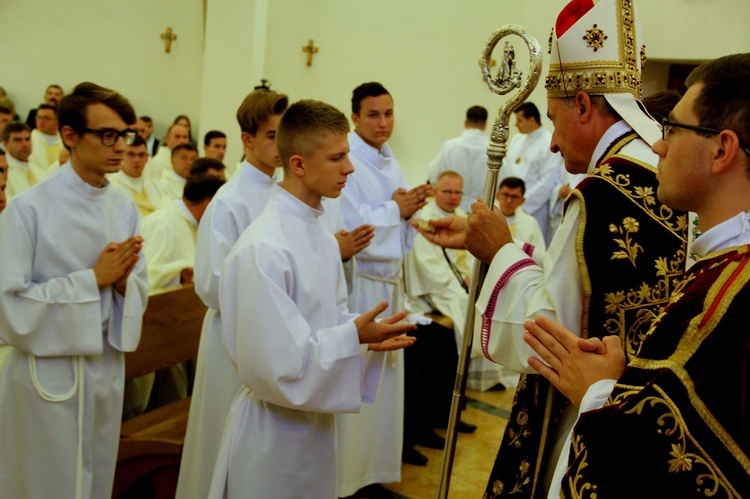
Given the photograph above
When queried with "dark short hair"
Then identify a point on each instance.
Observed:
(660, 104)
(513, 183)
(14, 127)
(54, 85)
(146, 119)
(371, 89)
(303, 123)
(213, 134)
(198, 188)
(183, 147)
(71, 111)
(724, 101)
(47, 106)
(201, 166)
(476, 115)
(529, 110)
(258, 106)
(138, 141)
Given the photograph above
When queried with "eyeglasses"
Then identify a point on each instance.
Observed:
(667, 129)
(451, 193)
(109, 136)
(511, 197)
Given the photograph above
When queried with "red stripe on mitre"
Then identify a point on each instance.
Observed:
(570, 15)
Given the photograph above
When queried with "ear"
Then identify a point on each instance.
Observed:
(583, 105)
(69, 136)
(725, 155)
(297, 165)
(247, 139)
(355, 119)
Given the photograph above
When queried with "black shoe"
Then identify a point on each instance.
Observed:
(464, 427)
(498, 387)
(373, 491)
(410, 455)
(431, 440)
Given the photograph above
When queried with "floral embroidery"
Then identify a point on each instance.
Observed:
(630, 249)
(646, 302)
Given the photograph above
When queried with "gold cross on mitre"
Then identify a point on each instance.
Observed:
(310, 49)
(168, 37)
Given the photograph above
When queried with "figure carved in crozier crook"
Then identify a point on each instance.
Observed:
(508, 75)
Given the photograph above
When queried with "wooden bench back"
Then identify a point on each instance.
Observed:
(171, 331)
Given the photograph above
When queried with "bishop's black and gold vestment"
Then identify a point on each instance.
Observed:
(676, 423)
(631, 253)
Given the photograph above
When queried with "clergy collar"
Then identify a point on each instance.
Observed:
(72, 179)
(433, 204)
(50, 139)
(249, 171)
(473, 131)
(296, 206)
(613, 133)
(356, 142)
(729, 233)
(181, 207)
(175, 175)
(136, 183)
(13, 162)
(536, 133)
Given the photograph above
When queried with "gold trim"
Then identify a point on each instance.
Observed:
(684, 461)
(583, 268)
(689, 344)
(645, 195)
(601, 77)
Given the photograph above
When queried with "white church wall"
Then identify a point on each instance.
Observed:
(229, 74)
(115, 44)
(425, 52)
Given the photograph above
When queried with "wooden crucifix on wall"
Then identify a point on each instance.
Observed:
(168, 37)
(310, 49)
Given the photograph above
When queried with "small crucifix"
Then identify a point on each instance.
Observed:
(168, 37)
(310, 49)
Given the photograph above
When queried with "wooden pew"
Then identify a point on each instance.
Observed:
(151, 444)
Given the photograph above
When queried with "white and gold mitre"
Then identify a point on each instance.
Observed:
(596, 46)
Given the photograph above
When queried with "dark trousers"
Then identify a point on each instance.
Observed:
(430, 373)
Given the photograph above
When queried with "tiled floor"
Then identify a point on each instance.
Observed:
(474, 457)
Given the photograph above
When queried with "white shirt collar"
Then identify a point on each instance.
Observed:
(729, 233)
(613, 133)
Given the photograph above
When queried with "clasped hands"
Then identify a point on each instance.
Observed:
(483, 232)
(116, 262)
(572, 364)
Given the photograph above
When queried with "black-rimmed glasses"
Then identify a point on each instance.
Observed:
(109, 136)
(667, 129)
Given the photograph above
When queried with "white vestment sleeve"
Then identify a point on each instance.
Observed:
(387, 242)
(33, 314)
(278, 355)
(124, 332)
(216, 236)
(516, 289)
(158, 246)
(538, 194)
